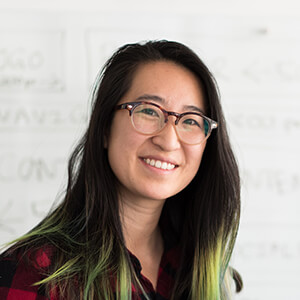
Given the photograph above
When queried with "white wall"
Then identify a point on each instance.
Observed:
(50, 52)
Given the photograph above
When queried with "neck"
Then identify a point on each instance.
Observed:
(140, 224)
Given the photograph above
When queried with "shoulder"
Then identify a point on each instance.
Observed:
(19, 272)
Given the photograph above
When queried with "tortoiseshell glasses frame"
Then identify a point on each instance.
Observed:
(191, 127)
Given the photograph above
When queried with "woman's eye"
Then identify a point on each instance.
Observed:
(191, 122)
(149, 112)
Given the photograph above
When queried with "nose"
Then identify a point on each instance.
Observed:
(167, 139)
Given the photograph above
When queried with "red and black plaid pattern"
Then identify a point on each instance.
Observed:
(16, 279)
(166, 276)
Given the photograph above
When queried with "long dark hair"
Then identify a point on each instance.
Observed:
(85, 229)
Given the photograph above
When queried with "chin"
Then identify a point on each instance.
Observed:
(161, 196)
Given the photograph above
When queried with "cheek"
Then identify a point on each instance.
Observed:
(118, 135)
(115, 141)
(123, 144)
(195, 157)
(121, 132)
(117, 156)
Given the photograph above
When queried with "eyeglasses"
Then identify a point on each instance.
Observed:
(149, 118)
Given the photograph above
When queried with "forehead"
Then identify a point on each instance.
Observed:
(176, 86)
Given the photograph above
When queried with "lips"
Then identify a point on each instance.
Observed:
(159, 164)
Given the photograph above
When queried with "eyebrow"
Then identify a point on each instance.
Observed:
(151, 97)
(162, 100)
(193, 108)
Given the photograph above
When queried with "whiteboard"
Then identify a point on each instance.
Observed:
(46, 73)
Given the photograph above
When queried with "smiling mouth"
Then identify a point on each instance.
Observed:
(159, 164)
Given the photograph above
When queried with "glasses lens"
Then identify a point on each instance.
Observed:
(147, 118)
(193, 128)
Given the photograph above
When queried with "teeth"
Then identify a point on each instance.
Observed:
(164, 165)
(159, 164)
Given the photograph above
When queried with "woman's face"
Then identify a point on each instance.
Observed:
(175, 89)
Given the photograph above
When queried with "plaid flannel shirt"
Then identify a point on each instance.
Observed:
(17, 279)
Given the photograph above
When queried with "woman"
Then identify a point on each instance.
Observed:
(152, 206)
